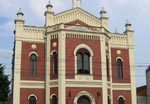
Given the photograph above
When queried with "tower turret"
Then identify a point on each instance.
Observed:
(49, 15)
(104, 18)
(19, 22)
(128, 26)
(19, 16)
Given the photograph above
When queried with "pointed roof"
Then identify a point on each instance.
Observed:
(77, 14)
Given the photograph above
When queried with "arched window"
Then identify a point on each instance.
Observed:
(33, 63)
(119, 69)
(83, 100)
(32, 100)
(54, 99)
(55, 63)
(121, 100)
(83, 61)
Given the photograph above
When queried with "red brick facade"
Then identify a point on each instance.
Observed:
(71, 44)
(26, 92)
(126, 70)
(25, 61)
(91, 76)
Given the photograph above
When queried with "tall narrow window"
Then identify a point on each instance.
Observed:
(79, 61)
(55, 63)
(107, 65)
(33, 63)
(86, 64)
(32, 100)
(121, 100)
(54, 99)
(119, 69)
(109, 101)
(83, 62)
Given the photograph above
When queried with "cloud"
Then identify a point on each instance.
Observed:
(5, 54)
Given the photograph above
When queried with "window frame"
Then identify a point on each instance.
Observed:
(54, 99)
(32, 102)
(55, 63)
(33, 64)
(119, 67)
(83, 54)
(120, 99)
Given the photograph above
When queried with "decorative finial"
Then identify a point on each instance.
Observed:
(128, 26)
(20, 12)
(103, 10)
(49, 4)
(116, 30)
(76, 3)
(128, 23)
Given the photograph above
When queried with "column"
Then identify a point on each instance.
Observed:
(61, 70)
(47, 69)
(104, 72)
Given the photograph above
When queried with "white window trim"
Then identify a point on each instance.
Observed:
(53, 52)
(91, 56)
(120, 96)
(84, 93)
(52, 96)
(119, 58)
(32, 95)
(33, 53)
(52, 60)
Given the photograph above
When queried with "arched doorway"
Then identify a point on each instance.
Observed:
(84, 97)
(84, 100)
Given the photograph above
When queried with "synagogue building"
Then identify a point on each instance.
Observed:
(73, 59)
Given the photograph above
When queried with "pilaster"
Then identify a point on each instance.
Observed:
(61, 70)
(47, 69)
(132, 68)
(17, 72)
(103, 66)
(49, 15)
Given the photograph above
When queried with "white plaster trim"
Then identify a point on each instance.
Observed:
(33, 53)
(109, 97)
(84, 93)
(53, 52)
(32, 84)
(82, 76)
(30, 39)
(119, 58)
(32, 95)
(83, 46)
(120, 96)
(53, 95)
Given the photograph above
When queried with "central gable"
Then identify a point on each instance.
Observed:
(77, 22)
(77, 14)
(81, 26)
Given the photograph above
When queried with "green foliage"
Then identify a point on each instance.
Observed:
(4, 84)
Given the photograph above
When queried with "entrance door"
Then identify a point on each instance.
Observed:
(83, 100)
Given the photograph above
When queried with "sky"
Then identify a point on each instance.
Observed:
(137, 12)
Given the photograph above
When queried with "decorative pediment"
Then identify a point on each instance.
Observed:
(77, 14)
(80, 26)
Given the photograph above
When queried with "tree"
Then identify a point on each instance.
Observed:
(4, 84)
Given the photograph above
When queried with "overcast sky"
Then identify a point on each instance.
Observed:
(118, 11)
